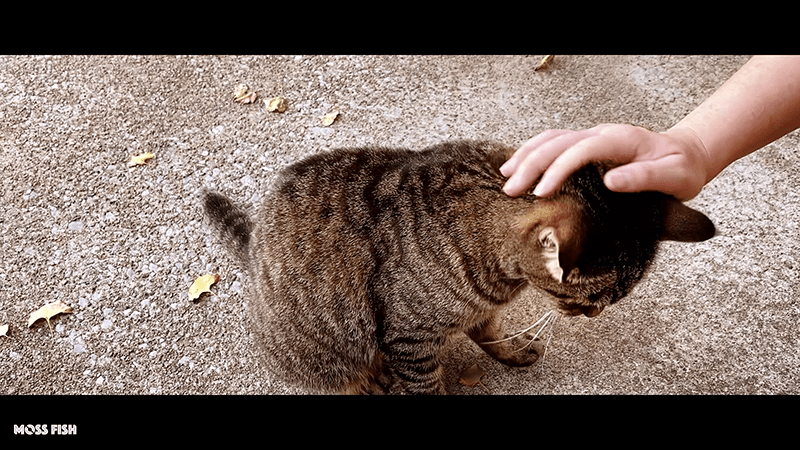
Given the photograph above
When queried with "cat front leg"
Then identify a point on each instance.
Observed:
(415, 363)
(519, 351)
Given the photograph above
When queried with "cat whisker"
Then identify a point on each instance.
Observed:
(550, 336)
(545, 316)
(551, 318)
(521, 285)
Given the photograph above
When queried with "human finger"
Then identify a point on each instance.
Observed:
(596, 147)
(537, 160)
(510, 167)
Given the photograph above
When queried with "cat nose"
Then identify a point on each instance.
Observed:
(591, 311)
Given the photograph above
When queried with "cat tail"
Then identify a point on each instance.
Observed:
(232, 223)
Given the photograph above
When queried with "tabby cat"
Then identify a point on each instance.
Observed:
(363, 261)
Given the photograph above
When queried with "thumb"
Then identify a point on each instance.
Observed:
(623, 179)
(638, 176)
(662, 175)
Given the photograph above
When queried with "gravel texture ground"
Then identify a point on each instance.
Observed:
(121, 245)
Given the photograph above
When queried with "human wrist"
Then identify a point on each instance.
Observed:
(690, 144)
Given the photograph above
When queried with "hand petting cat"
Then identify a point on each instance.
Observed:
(757, 105)
(673, 162)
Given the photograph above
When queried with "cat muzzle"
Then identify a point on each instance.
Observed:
(588, 311)
(591, 311)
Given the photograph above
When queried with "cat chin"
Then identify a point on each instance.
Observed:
(588, 311)
(568, 306)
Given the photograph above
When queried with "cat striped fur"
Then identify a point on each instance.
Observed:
(364, 261)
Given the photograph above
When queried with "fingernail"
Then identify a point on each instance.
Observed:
(542, 189)
(617, 180)
(511, 186)
(505, 167)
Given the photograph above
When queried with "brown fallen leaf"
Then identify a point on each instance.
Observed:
(277, 104)
(243, 94)
(328, 119)
(472, 376)
(544, 63)
(47, 311)
(202, 285)
(138, 160)
(3, 330)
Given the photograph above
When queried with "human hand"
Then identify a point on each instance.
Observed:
(674, 162)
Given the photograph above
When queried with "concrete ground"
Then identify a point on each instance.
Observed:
(121, 245)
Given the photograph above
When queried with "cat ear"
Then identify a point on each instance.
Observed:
(559, 260)
(561, 234)
(684, 224)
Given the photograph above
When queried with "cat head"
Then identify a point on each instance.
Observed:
(588, 246)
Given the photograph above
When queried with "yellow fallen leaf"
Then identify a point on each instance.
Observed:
(328, 119)
(138, 160)
(3, 330)
(243, 94)
(47, 311)
(240, 90)
(276, 104)
(201, 285)
(545, 62)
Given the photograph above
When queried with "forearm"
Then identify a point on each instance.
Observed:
(757, 105)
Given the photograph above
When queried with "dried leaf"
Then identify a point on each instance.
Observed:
(472, 376)
(243, 94)
(3, 330)
(328, 119)
(249, 98)
(202, 285)
(138, 160)
(545, 62)
(276, 104)
(240, 91)
(49, 310)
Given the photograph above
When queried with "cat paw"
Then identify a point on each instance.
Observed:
(520, 351)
